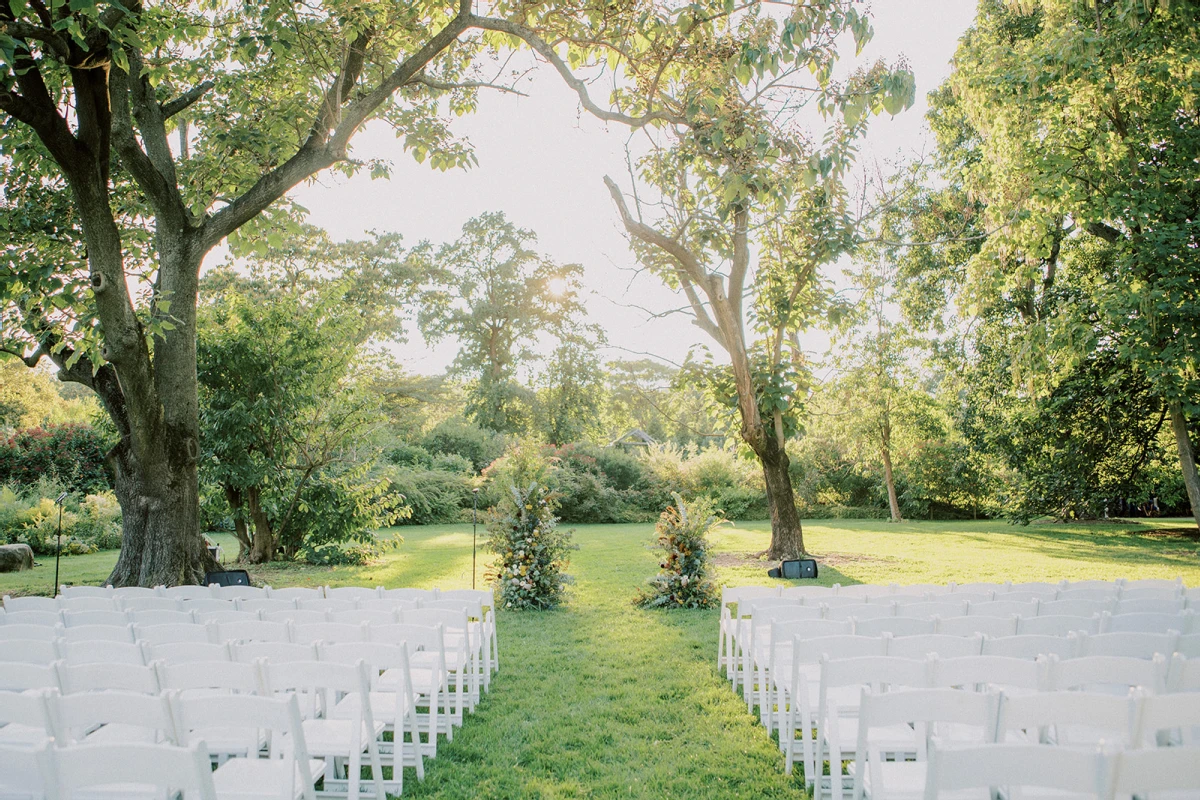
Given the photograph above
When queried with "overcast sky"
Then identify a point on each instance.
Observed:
(541, 161)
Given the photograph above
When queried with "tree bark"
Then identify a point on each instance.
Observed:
(240, 530)
(787, 534)
(885, 451)
(1187, 458)
(263, 548)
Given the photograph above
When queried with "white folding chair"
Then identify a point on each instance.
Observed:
(265, 605)
(29, 651)
(1071, 772)
(202, 679)
(168, 634)
(1132, 645)
(926, 590)
(23, 633)
(226, 617)
(47, 619)
(430, 678)
(972, 626)
(66, 592)
(238, 592)
(935, 644)
(987, 673)
(1089, 593)
(25, 717)
(1027, 595)
(362, 615)
(1111, 674)
(187, 593)
(1069, 718)
(206, 604)
(97, 633)
(26, 772)
(740, 627)
(273, 652)
(1168, 719)
(756, 640)
(842, 683)
(1029, 646)
(137, 604)
(81, 604)
(1183, 674)
(16, 604)
(863, 611)
(124, 593)
(404, 594)
(464, 653)
(112, 717)
(284, 770)
(1076, 608)
(1163, 772)
(326, 605)
(895, 626)
(392, 702)
(487, 601)
(103, 677)
(325, 683)
(1004, 608)
(296, 616)
(1149, 605)
(130, 770)
(478, 627)
(921, 712)
(186, 652)
(768, 675)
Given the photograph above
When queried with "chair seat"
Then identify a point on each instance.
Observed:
(229, 741)
(14, 735)
(385, 707)
(119, 791)
(889, 739)
(252, 778)
(422, 680)
(331, 737)
(905, 780)
(123, 734)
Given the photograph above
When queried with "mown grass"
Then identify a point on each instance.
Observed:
(600, 699)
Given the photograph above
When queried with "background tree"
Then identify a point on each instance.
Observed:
(571, 393)
(498, 298)
(1080, 120)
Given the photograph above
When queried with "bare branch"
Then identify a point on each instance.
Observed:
(1105, 232)
(440, 86)
(185, 100)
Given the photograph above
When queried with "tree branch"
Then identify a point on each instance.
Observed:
(439, 86)
(741, 260)
(1105, 232)
(26, 32)
(185, 100)
(162, 194)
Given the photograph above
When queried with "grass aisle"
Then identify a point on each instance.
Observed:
(600, 699)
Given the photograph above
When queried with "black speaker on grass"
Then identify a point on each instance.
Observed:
(229, 577)
(795, 569)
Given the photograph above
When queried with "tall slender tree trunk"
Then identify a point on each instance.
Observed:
(1187, 458)
(885, 452)
(263, 548)
(787, 535)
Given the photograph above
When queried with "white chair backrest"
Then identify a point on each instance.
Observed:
(864, 611)
(954, 768)
(330, 632)
(1141, 773)
(166, 634)
(1057, 625)
(811, 651)
(140, 604)
(107, 677)
(187, 593)
(1004, 608)
(206, 603)
(415, 637)
(1070, 718)
(976, 673)
(187, 652)
(32, 617)
(253, 630)
(859, 590)
(359, 616)
(29, 709)
(1175, 715)
(837, 601)
(1183, 674)
(1149, 623)
(1089, 593)
(1029, 646)
(23, 633)
(225, 617)
(1108, 673)
(879, 673)
(326, 605)
(421, 595)
(783, 633)
(265, 605)
(126, 592)
(1033, 586)
(971, 626)
(19, 677)
(971, 597)
(296, 616)
(935, 644)
(224, 677)
(896, 626)
(71, 592)
(14, 604)
(76, 715)
(238, 592)
(944, 607)
(97, 633)
(388, 604)
(452, 621)
(354, 593)
(74, 619)
(1133, 645)
(1188, 644)
(29, 651)
(163, 768)
(928, 590)
(809, 594)
(752, 607)
(1027, 595)
(26, 770)
(979, 587)
(162, 616)
(102, 652)
(296, 592)
(1149, 605)
(1076, 608)
(87, 604)
(274, 652)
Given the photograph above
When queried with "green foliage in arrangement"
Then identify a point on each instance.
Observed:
(685, 580)
(89, 525)
(532, 551)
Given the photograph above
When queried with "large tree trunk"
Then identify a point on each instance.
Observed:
(1187, 458)
(787, 535)
(240, 530)
(263, 548)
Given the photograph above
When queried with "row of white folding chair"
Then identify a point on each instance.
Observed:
(124, 699)
(81, 608)
(231, 592)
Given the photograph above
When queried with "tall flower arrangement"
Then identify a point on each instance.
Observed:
(684, 581)
(533, 551)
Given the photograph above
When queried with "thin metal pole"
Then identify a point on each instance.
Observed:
(474, 522)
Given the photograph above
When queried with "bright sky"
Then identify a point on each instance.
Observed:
(541, 161)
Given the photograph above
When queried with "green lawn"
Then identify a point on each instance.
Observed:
(600, 699)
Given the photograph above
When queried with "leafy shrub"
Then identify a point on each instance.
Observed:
(533, 551)
(742, 502)
(403, 454)
(684, 582)
(336, 555)
(88, 525)
(452, 462)
(432, 496)
(341, 508)
(71, 454)
(479, 446)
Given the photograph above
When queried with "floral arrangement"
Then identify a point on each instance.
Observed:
(533, 551)
(684, 581)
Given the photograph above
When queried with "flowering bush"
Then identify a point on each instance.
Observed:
(684, 581)
(533, 550)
